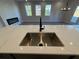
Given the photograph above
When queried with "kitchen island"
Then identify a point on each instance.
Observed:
(11, 37)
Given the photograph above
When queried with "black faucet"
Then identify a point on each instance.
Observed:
(41, 28)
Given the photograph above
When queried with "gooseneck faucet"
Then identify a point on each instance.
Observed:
(41, 43)
(41, 28)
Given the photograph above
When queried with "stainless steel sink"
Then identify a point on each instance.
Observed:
(41, 39)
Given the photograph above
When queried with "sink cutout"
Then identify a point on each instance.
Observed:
(48, 39)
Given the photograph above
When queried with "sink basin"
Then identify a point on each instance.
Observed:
(41, 39)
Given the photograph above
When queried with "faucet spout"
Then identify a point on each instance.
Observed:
(41, 28)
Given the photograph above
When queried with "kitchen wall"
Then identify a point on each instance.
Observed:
(8, 9)
(55, 16)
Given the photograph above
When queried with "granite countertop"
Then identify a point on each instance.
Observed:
(11, 37)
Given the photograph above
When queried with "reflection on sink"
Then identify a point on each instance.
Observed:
(41, 39)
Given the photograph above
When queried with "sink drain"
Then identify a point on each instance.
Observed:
(41, 44)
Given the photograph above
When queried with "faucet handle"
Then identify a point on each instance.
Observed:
(43, 26)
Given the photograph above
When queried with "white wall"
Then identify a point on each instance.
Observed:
(2, 24)
(8, 9)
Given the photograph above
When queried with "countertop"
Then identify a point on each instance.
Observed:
(11, 37)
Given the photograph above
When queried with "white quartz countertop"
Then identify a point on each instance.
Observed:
(11, 37)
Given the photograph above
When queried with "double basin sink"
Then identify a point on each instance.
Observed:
(41, 39)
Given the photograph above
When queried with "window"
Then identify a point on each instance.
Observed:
(28, 10)
(76, 15)
(38, 10)
(47, 10)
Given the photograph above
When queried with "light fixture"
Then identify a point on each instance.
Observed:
(66, 8)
